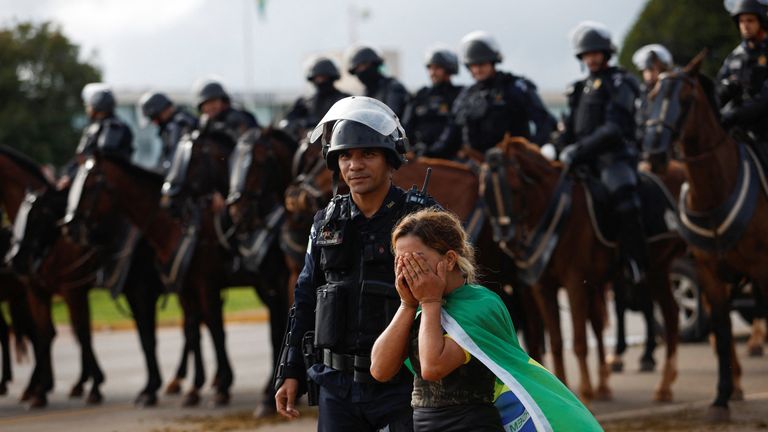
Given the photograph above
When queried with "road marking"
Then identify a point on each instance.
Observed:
(667, 409)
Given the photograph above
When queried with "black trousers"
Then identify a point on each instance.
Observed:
(459, 418)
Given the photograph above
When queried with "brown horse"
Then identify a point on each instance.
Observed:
(723, 212)
(579, 261)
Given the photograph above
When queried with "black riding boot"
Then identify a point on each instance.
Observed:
(633, 248)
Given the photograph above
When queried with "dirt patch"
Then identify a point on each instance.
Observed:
(234, 422)
(745, 417)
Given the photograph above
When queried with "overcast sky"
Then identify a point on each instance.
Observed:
(170, 44)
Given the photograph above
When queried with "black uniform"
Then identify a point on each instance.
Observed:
(108, 135)
(743, 88)
(487, 110)
(307, 112)
(346, 294)
(428, 114)
(601, 123)
(386, 89)
(232, 122)
(178, 125)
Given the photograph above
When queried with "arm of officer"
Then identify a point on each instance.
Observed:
(750, 111)
(397, 98)
(727, 87)
(619, 121)
(292, 370)
(541, 117)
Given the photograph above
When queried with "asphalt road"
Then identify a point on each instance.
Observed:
(120, 357)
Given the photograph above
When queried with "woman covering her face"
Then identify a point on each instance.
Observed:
(457, 338)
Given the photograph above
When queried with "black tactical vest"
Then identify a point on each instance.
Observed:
(359, 298)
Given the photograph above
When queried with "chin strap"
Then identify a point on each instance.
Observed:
(335, 182)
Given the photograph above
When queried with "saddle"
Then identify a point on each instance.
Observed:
(658, 209)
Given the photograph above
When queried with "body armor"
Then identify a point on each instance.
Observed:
(231, 122)
(429, 113)
(307, 112)
(743, 88)
(110, 136)
(506, 103)
(180, 124)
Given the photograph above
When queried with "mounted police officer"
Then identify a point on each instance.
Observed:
(651, 60)
(743, 78)
(498, 103)
(105, 132)
(599, 135)
(345, 295)
(217, 113)
(307, 111)
(173, 123)
(365, 63)
(430, 110)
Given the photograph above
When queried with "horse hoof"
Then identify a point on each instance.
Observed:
(191, 399)
(36, 402)
(264, 410)
(174, 387)
(617, 364)
(221, 399)
(145, 400)
(3, 389)
(737, 395)
(647, 365)
(755, 351)
(663, 396)
(94, 398)
(76, 392)
(718, 414)
(26, 396)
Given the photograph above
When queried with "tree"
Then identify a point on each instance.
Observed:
(685, 27)
(41, 76)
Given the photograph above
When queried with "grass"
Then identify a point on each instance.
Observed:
(240, 303)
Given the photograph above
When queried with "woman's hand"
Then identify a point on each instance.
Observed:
(406, 296)
(425, 284)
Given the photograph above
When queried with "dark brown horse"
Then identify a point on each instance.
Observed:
(724, 210)
(19, 175)
(579, 261)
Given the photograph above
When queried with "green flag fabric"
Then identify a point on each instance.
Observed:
(529, 397)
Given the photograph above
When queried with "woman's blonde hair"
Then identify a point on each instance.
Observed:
(442, 231)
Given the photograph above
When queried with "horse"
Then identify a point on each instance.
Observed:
(541, 218)
(724, 220)
(259, 177)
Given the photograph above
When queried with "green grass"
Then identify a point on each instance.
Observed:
(105, 311)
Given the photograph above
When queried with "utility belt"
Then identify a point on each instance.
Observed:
(358, 366)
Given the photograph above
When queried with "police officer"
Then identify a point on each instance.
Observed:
(429, 111)
(105, 132)
(365, 63)
(599, 133)
(498, 103)
(173, 123)
(345, 294)
(651, 60)
(743, 78)
(217, 113)
(307, 111)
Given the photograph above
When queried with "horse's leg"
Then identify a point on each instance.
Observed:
(533, 333)
(214, 319)
(80, 316)
(546, 298)
(598, 316)
(6, 347)
(188, 301)
(662, 292)
(758, 334)
(41, 381)
(647, 362)
(274, 293)
(619, 304)
(577, 297)
(716, 293)
(174, 387)
(142, 297)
